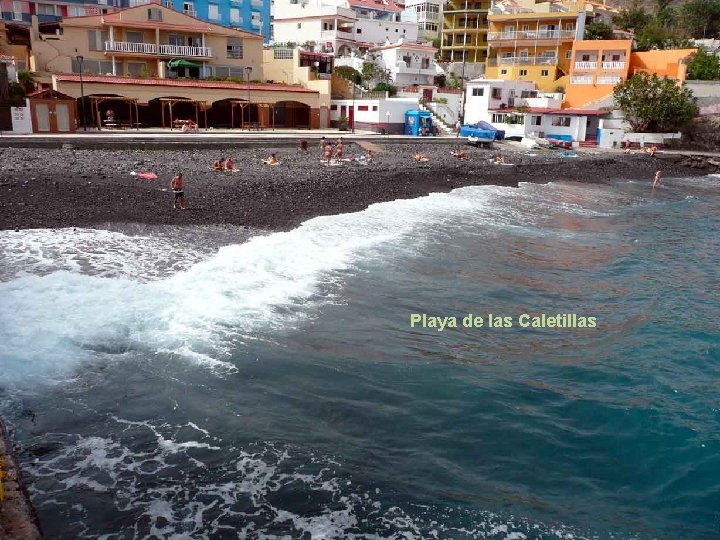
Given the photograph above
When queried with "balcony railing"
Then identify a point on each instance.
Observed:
(128, 47)
(190, 12)
(613, 65)
(186, 50)
(608, 79)
(581, 79)
(586, 65)
(531, 34)
(523, 61)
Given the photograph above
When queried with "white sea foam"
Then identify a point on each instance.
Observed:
(110, 298)
(245, 495)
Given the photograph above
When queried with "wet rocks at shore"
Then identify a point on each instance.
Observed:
(41, 188)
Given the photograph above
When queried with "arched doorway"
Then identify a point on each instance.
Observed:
(292, 114)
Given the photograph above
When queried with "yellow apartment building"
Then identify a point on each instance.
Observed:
(464, 33)
(152, 65)
(533, 41)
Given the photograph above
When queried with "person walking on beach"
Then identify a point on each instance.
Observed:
(328, 152)
(658, 178)
(176, 184)
(339, 149)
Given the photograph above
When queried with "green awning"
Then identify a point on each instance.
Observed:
(181, 62)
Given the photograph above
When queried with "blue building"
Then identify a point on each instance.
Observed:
(249, 15)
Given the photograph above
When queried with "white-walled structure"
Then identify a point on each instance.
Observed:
(339, 26)
(374, 114)
(407, 64)
(484, 95)
(428, 15)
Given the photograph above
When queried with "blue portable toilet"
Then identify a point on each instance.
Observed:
(417, 121)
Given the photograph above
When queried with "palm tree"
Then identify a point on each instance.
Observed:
(28, 80)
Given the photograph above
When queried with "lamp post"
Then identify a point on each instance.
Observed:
(387, 124)
(352, 111)
(248, 70)
(82, 92)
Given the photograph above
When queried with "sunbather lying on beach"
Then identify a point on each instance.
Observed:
(500, 159)
(218, 165)
(460, 154)
(419, 156)
(229, 165)
(272, 160)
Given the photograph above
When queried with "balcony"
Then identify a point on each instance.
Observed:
(523, 61)
(581, 79)
(586, 65)
(186, 50)
(190, 12)
(256, 3)
(331, 35)
(531, 35)
(608, 79)
(130, 48)
(42, 18)
(414, 69)
(613, 65)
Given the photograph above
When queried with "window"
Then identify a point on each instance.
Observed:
(97, 39)
(359, 30)
(570, 27)
(497, 93)
(498, 118)
(177, 40)
(374, 108)
(299, 26)
(213, 12)
(75, 11)
(561, 121)
(536, 120)
(17, 10)
(544, 72)
(133, 37)
(45, 9)
(478, 92)
(235, 15)
(136, 68)
(568, 55)
(234, 48)
(615, 57)
(407, 60)
(503, 72)
(585, 57)
(333, 107)
(154, 14)
(362, 108)
(425, 63)
(526, 28)
(189, 8)
(523, 72)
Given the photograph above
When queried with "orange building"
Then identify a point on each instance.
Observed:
(598, 65)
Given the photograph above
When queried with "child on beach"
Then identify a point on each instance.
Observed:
(176, 184)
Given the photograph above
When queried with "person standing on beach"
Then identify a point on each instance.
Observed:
(176, 184)
(658, 178)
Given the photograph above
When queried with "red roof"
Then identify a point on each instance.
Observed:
(180, 83)
(381, 5)
(550, 110)
(405, 45)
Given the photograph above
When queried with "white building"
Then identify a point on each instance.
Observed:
(376, 115)
(427, 14)
(339, 26)
(407, 64)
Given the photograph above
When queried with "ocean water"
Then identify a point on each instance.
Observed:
(224, 383)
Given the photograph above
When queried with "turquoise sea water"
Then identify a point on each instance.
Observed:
(168, 383)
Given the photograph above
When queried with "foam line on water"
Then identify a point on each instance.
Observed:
(50, 323)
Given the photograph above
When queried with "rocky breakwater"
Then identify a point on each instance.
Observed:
(709, 165)
(17, 515)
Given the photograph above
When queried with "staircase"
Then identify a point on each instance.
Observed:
(589, 142)
(439, 122)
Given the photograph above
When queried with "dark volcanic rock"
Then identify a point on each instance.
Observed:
(90, 187)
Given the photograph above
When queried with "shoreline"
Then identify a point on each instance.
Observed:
(88, 188)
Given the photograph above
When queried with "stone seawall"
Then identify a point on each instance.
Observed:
(17, 515)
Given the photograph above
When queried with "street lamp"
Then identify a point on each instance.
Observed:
(387, 123)
(82, 92)
(353, 109)
(248, 70)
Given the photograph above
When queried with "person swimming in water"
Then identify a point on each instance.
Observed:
(658, 178)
